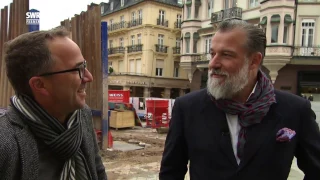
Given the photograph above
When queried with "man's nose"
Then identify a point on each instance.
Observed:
(214, 62)
(88, 76)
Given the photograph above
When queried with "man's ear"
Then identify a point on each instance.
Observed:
(256, 59)
(37, 86)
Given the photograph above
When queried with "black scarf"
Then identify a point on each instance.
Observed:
(63, 141)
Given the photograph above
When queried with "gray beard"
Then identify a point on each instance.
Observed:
(231, 85)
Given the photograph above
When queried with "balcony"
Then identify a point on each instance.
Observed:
(177, 25)
(117, 26)
(134, 48)
(176, 50)
(300, 51)
(116, 50)
(161, 48)
(162, 22)
(201, 58)
(133, 23)
(231, 13)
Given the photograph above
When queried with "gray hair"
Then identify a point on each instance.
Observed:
(28, 55)
(256, 38)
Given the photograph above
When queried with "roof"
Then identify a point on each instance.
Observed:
(129, 3)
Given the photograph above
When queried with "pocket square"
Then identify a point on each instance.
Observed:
(285, 135)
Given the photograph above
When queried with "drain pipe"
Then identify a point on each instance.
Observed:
(295, 26)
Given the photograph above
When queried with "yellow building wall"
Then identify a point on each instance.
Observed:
(149, 38)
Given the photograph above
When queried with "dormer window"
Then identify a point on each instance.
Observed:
(102, 9)
(122, 3)
(111, 6)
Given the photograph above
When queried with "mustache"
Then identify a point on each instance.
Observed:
(218, 72)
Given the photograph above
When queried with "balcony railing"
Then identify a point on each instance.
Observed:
(135, 22)
(161, 48)
(162, 22)
(201, 57)
(177, 24)
(176, 50)
(300, 51)
(134, 48)
(116, 50)
(124, 24)
(231, 13)
(116, 26)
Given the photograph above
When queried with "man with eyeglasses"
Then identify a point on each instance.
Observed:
(47, 131)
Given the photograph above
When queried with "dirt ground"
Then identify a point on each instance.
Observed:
(137, 164)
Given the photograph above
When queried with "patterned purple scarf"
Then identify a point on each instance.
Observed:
(253, 111)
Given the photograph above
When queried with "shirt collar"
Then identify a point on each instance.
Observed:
(252, 92)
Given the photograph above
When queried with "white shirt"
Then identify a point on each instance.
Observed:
(234, 128)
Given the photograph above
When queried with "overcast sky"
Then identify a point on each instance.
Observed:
(52, 12)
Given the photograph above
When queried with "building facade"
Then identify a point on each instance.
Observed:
(292, 58)
(144, 47)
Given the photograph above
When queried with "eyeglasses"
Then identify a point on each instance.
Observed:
(81, 69)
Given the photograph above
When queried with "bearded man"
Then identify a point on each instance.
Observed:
(239, 127)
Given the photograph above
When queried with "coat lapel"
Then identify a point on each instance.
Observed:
(27, 145)
(258, 134)
(217, 124)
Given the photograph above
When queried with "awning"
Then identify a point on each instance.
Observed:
(275, 18)
(287, 19)
(263, 21)
(187, 35)
(189, 2)
(196, 36)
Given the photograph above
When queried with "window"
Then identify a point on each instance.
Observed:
(160, 39)
(188, 12)
(210, 8)
(178, 42)
(122, 21)
(121, 44)
(188, 45)
(133, 16)
(122, 3)
(226, 4)
(132, 40)
(102, 9)
(176, 69)
(307, 36)
(121, 66)
(161, 16)
(274, 35)
(138, 66)
(207, 45)
(139, 38)
(159, 67)
(230, 3)
(110, 43)
(109, 64)
(131, 66)
(196, 12)
(111, 6)
(285, 34)
(195, 38)
(179, 17)
(111, 24)
(140, 14)
(253, 3)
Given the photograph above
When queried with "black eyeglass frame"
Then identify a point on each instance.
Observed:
(84, 64)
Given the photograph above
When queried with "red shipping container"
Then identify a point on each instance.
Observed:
(122, 96)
